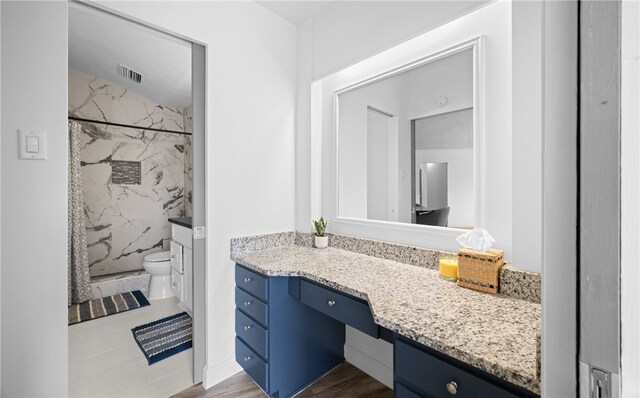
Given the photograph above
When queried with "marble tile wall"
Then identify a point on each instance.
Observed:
(125, 222)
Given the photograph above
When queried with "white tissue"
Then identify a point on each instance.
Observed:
(478, 239)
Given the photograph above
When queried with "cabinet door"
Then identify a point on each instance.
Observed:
(176, 256)
(187, 294)
(176, 283)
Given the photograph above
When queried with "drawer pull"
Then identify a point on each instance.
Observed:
(331, 303)
(452, 387)
(248, 358)
(247, 328)
(247, 303)
(247, 280)
(173, 256)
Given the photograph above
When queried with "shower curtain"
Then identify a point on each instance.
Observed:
(77, 257)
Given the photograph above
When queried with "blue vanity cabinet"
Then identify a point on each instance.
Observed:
(423, 372)
(282, 344)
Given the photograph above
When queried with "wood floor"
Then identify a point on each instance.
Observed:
(346, 381)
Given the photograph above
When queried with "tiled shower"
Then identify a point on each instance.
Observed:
(133, 180)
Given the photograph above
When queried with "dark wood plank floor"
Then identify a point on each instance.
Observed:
(346, 381)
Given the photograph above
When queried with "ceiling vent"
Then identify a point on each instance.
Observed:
(129, 73)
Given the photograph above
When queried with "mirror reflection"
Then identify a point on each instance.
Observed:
(406, 146)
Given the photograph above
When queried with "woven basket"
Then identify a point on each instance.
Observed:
(480, 270)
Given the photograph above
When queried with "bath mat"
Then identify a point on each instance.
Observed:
(163, 338)
(101, 307)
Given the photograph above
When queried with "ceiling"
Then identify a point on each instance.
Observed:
(98, 42)
(295, 12)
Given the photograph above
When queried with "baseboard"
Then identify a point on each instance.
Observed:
(369, 365)
(220, 372)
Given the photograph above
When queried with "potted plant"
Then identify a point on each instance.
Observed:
(321, 239)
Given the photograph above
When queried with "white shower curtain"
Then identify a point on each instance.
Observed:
(78, 259)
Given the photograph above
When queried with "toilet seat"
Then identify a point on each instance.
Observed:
(158, 257)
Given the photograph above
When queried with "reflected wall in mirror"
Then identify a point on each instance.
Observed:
(406, 144)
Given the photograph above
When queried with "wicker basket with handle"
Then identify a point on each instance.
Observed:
(480, 270)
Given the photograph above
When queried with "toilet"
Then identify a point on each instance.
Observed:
(158, 265)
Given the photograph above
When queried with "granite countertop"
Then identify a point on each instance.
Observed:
(494, 333)
(184, 221)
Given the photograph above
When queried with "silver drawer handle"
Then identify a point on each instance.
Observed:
(247, 328)
(248, 358)
(173, 284)
(247, 280)
(173, 256)
(452, 387)
(331, 303)
(247, 303)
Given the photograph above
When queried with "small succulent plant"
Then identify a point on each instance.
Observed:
(319, 226)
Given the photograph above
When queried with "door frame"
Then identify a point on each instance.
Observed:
(199, 58)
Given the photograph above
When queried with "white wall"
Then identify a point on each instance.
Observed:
(527, 159)
(0, 208)
(630, 186)
(345, 33)
(251, 91)
(251, 75)
(559, 153)
(34, 201)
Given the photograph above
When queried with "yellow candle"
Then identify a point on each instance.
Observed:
(449, 268)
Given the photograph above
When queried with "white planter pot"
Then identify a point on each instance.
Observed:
(321, 241)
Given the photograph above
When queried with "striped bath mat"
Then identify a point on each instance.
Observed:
(97, 308)
(163, 338)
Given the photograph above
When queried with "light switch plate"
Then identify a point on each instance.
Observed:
(41, 137)
(199, 233)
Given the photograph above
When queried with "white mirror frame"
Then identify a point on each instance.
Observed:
(476, 46)
(490, 30)
(324, 140)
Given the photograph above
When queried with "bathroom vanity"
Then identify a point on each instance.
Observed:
(293, 302)
(181, 247)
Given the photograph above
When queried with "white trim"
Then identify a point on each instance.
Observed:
(369, 365)
(220, 372)
(630, 201)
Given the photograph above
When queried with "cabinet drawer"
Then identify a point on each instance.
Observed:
(251, 306)
(431, 375)
(176, 256)
(181, 235)
(251, 282)
(401, 391)
(348, 310)
(255, 367)
(251, 333)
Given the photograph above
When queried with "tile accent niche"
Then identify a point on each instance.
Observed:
(133, 180)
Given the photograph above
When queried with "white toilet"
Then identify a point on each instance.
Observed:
(158, 265)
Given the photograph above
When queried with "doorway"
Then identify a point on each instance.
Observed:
(137, 95)
(382, 165)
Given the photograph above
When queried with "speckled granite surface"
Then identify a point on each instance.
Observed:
(494, 333)
(520, 284)
(261, 242)
(513, 282)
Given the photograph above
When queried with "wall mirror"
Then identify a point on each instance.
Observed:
(408, 143)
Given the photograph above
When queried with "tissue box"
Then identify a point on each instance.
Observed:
(480, 270)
